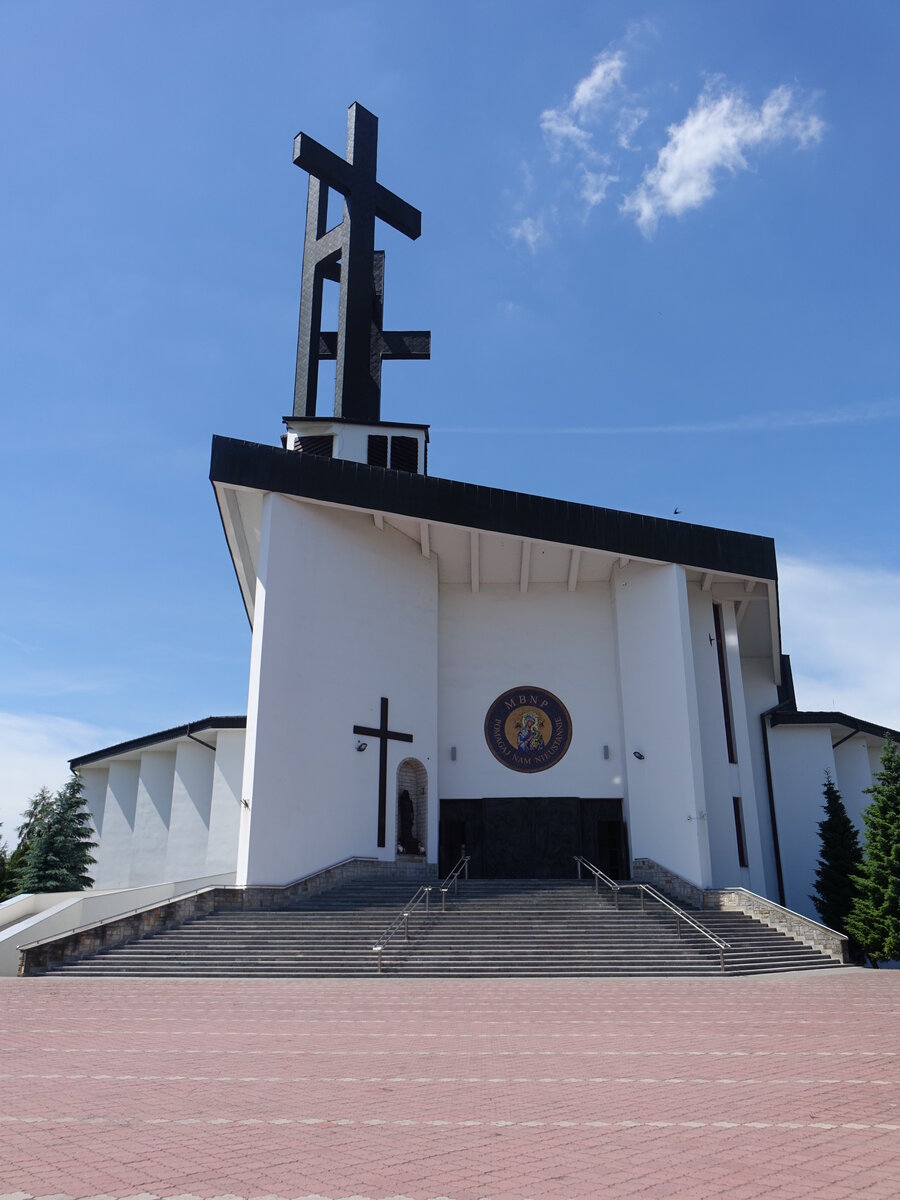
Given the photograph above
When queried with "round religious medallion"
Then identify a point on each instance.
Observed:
(528, 729)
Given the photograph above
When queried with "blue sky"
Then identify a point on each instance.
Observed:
(659, 262)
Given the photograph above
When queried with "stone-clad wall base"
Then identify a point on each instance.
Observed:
(738, 899)
(117, 931)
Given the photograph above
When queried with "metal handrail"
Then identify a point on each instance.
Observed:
(453, 878)
(646, 890)
(599, 877)
(402, 920)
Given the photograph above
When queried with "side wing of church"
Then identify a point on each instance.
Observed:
(440, 669)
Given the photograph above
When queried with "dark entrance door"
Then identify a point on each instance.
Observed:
(520, 837)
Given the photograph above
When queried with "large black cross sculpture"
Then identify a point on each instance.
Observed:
(346, 253)
(384, 735)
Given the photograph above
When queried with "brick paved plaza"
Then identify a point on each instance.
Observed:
(775, 1086)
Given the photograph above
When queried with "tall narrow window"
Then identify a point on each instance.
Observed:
(377, 456)
(404, 453)
(739, 831)
(723, 683)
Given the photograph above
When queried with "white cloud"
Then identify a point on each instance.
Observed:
(838, 625)
(713, 138)
(561, 130)
(564, 127)
(594, 186)
(529, 230)
(34, 751)
(629, 122)
(594, 88)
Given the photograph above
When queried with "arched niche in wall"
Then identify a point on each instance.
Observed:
(412, 807)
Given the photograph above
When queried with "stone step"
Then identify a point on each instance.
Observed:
(490, 927)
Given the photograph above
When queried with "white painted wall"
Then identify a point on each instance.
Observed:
(225, 808)
(351, 442)
(151, 822)
(191, 799)
(853, 774)
(719, 776)
(799, 755)
(113, 867)
(500, 638)
(746, 784)
(345, 614)
(96, 780)
(761, 694)
(658, 689)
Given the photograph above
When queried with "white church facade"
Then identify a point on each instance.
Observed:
(658, 639)
(438, 668)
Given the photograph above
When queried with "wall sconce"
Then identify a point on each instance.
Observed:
(453, 754)
(360, 746)
(606, 751)
(637, 754)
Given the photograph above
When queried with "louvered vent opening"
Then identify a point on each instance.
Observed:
(404, 454)
(377, 456)
(323, 446)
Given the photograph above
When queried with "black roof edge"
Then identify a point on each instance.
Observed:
(518, 514)
(368, 424)
(165, 735)
(784, 716)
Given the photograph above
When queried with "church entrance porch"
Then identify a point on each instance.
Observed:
(533, 837)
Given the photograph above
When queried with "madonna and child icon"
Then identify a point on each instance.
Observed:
(528, 729)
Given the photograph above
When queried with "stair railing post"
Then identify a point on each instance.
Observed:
(443, 899)
(467, 870)
(678, 923)
(378, 952)
(642, 899)
(578, 861)
(616, 898)
(427, 895)
(722, 958)
(406, 925)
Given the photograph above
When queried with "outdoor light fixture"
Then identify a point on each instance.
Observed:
(360, 746)
(637, 754)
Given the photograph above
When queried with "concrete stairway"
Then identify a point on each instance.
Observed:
(491, 928)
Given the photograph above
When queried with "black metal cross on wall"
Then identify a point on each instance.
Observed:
(346, 253)
(384, 735)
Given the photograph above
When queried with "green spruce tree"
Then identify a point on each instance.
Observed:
(5, 880)
(874, 920)
(840, 858)
(59, 855)
(36, 815)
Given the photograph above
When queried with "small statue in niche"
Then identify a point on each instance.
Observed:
(407, 843)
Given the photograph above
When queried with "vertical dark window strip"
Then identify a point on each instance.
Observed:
(723, 683)
(377, 456)
(739, 831)
(404, 453)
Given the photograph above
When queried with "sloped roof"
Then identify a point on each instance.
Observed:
(518, 514)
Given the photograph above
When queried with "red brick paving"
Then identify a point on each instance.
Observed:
(784, 1086)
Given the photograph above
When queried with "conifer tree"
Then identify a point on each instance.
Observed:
(874, 919)
(5, 881)
(58, 858)
(35, 817)
(840, 858)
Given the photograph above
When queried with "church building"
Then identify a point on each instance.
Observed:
(441, 669)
